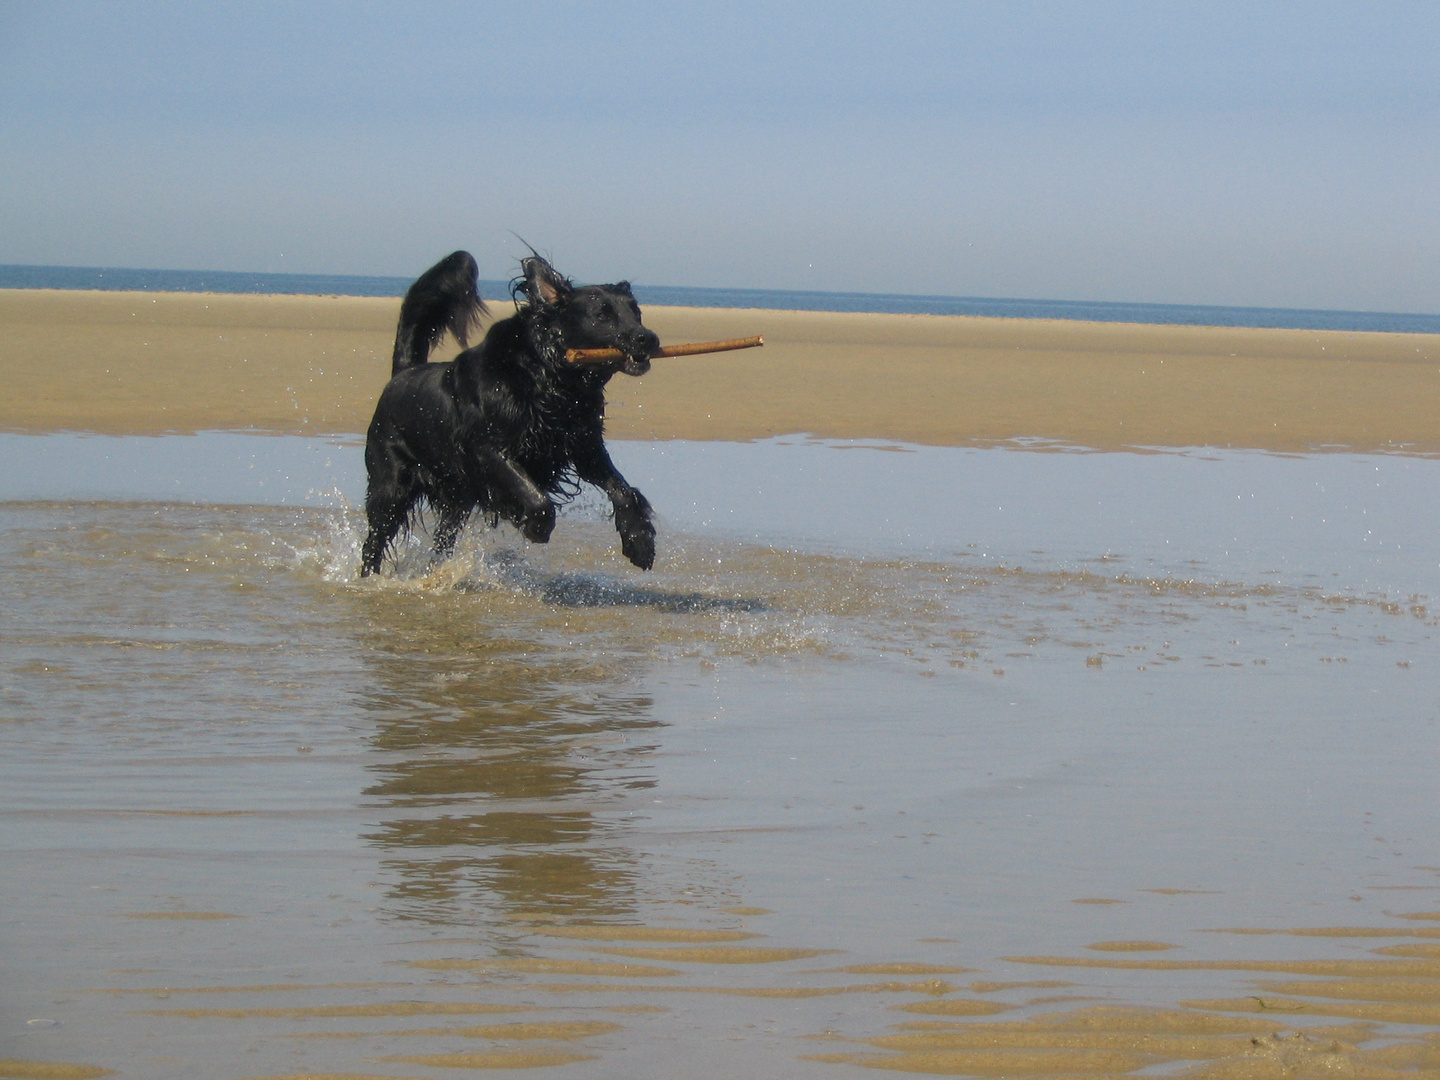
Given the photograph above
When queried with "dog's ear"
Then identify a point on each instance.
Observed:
(543, 285)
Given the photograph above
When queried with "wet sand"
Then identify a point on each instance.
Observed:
(144, 364)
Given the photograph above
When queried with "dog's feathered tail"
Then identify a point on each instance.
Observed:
(444, 298)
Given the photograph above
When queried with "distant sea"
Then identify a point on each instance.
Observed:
(225, 281)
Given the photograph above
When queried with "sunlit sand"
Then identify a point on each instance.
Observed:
(140, 363)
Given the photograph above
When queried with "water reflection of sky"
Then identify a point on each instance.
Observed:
(1354, 521)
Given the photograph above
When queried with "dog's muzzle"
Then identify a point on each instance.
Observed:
(635, 365)
(638, 353)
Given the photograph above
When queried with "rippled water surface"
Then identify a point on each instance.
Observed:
(885, 729)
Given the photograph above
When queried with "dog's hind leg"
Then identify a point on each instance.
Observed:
(387, 516)
(389, 497)
(452, 520)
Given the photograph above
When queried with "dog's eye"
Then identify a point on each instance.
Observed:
(607, 311)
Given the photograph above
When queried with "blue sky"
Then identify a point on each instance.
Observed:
(1219, 153)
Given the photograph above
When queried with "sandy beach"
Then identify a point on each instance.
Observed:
(140, 363)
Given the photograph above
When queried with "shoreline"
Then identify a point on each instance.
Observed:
(142, 363)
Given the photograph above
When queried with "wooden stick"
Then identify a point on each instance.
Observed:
(590, 356)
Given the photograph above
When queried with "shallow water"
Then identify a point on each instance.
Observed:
(901, 714)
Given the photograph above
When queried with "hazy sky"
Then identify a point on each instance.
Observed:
(1215, 152)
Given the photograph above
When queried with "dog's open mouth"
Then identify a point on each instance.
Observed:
(635, 363)
(638, 351)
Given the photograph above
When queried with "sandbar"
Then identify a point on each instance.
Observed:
(135, 363)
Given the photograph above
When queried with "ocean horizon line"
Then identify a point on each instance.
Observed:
(118, 279)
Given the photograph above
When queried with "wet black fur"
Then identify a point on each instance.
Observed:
(509, 426)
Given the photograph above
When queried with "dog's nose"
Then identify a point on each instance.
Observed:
(643, 344)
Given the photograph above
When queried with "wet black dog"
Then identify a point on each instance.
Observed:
(510, 426)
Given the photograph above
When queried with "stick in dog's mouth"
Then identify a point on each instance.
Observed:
(596, 356)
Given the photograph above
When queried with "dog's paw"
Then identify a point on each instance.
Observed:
(539, 524)
(639, 546)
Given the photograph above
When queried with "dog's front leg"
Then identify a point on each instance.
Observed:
(632, 509)
(632, 522)
(530, 509)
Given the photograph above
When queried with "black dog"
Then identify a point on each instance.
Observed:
(509, 426)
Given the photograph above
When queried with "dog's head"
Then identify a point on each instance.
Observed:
(588, 316)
